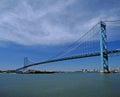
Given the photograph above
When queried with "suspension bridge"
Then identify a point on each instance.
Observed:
(103, 49)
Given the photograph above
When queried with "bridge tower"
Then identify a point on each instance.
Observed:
(25, 64)
(103, 48)
(25, 61)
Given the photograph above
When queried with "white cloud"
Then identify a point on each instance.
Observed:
(28, 26)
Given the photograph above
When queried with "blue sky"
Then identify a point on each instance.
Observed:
(41, 29)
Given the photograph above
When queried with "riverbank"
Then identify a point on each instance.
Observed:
(31, 71)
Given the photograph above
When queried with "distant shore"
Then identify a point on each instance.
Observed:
(30, 71)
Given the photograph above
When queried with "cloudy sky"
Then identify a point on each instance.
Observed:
(38, 28)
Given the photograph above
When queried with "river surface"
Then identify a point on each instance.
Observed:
(60, 85)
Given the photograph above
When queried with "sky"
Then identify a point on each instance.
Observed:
(41, 29)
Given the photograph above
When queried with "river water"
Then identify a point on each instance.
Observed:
(60, 85)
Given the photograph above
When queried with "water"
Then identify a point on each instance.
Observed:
(60, 85)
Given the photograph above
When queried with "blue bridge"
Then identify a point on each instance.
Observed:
(104, 52)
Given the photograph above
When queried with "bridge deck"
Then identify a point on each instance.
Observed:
(69, 58)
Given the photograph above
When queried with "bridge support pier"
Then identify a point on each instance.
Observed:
(103, 48)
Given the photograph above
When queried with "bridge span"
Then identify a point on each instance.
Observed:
(69, 58)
